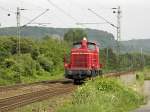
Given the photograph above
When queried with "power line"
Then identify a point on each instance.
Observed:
(40, 23)
(36, 17)
(62, 10)
(101, 17)
(89, 23)
(41, 7)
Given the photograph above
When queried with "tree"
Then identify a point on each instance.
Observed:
(74, 35)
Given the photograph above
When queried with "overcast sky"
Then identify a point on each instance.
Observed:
(135, 22)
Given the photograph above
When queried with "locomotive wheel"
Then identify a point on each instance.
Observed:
(78, 81)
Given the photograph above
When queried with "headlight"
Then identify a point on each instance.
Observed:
(69, 72)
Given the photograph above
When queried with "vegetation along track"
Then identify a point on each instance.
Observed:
(10, 103)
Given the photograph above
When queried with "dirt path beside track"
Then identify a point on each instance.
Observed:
(145, 108)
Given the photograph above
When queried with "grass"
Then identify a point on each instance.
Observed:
(103, 95)
(143, 74)
(140, 78)
(146, 73)
(31, 79)
(41, 78)
(48, 105)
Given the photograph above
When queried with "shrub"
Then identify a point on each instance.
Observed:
(45, 63)
(103, 95)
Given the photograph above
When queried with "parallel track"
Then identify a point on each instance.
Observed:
(17, 86)
(24, 99)
(117, 74)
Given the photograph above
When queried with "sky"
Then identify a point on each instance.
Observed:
(135, 18)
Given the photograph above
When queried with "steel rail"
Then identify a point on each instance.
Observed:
(21, 100)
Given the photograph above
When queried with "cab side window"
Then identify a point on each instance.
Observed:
(77, 46)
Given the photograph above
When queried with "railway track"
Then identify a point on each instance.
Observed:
(10, 103)
(17, 86)
(117, 74)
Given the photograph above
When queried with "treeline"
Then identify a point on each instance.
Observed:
(104, 38)
(38, 60)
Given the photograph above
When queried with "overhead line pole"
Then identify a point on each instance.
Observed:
(118, 11)
(18, 29)
(118, 26)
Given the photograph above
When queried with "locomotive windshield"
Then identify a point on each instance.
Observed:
(91, 46)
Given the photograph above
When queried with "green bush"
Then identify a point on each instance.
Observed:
(103, 95)
(45, 63)
(39, 60)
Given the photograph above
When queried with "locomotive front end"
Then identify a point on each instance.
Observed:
(84, 61)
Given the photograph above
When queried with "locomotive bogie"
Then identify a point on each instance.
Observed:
(82, 74)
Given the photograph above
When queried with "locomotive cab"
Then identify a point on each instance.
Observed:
(84, 61)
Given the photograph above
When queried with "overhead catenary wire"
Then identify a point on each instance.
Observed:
(38, 7)
(63, 11)
(39, 23)
(35, 18)
(101, 17)
(90, 23)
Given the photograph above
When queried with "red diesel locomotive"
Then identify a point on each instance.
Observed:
(84, 61)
